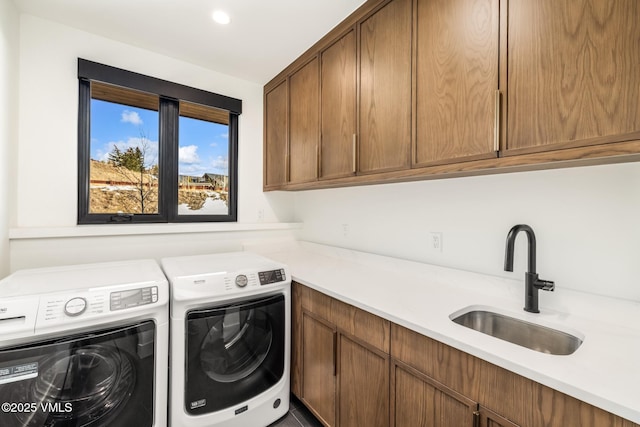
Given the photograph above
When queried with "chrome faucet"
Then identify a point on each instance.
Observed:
(531, 281)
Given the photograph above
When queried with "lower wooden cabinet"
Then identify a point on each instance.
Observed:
(352, 368)
(363, 382)
(319, 368)
(503, 398)
(420, 401)
(340, 375)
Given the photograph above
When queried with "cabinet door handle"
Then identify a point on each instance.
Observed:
(335, 353)
(287, 167)
(496, 125)
(476, 419)
(354, 153)
(317, 160)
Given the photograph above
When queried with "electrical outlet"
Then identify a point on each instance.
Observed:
(260, 215)
(435, 241)
(345, 230)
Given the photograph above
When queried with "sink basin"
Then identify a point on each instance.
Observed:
(516, 331)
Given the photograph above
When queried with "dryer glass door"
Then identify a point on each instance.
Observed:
(98, 379)
(234, 353)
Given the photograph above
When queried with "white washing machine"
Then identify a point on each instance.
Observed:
(230, 340)
(85, 345)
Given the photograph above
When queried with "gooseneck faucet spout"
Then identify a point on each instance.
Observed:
(532, 282)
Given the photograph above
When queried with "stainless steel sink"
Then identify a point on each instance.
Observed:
(516, 331)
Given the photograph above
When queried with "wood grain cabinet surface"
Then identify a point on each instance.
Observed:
(340, 360)
(456, 57)
(304, 123)
(352, 368)
(385, 89)
(275, 137)
(572, 73)
(422, 89)
(503, 398)
(338, 107)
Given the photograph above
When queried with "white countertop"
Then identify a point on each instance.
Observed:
(604, 371)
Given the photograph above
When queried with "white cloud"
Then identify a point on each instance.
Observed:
(221, 164)
(188, 154)
(131, 117)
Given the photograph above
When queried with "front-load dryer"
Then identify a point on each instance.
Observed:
(85, 345)
(230, 340)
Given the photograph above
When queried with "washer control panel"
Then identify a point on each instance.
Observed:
(133, 298)
(75, 306)
(58, 307)
(65, 307)
(241, 280)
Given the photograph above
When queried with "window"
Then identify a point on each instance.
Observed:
(154, 151)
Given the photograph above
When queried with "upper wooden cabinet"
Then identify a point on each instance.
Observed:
(385, 89)
(338, 107)
(572, 73)
(456, 79)
(275, 137)
(416, 89)
(304, 128)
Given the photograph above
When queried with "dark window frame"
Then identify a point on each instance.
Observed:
(170, 95)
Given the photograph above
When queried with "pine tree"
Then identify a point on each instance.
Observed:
(132, 158)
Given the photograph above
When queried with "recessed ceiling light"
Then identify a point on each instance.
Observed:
(221, 17)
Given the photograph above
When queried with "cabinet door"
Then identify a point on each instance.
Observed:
(422, 402)
(338, 107)
(456, 53)
(319, 367)
(275, 138)
(304, 123)
(363, 385)
(489, 418)
(572, 73)
(385, 89)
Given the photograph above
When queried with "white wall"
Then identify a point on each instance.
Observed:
(585, 218)
(47, 149)
(586, 222)
(9, 42)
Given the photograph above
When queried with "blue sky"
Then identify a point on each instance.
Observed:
(203, 145)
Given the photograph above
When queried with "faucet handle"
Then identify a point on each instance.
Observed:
(545, 285)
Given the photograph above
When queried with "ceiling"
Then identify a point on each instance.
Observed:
(261, 40)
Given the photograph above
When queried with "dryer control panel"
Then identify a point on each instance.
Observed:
(273, 276)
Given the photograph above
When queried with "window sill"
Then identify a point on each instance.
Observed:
(23, 233)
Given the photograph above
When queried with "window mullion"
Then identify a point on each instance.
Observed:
(168, 198)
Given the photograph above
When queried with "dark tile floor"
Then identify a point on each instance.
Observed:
(298, 416)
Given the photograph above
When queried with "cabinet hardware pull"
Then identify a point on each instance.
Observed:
(476, 419)
(335, 353)
(354, 153)
(496, 128)
(287, 167)
(317, 161)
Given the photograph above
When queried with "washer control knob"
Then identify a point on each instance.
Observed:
(241, 281)
(75, 306)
